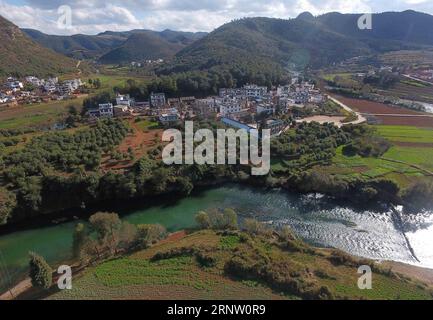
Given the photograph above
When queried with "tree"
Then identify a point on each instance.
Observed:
(230, 218)
(79, 241)
(148, 234)
(7, 204)
(40, 272)
(203, 220)
(107, 227)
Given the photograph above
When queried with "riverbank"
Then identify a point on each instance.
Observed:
(320, 220)
(184, 276)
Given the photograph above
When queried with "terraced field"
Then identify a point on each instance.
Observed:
(411, 91)
(178, 271)
(411, 155)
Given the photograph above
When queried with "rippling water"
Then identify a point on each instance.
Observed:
(315, 218)
(320, 221)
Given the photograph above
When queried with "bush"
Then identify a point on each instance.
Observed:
(148, 234)
(205, 258)
(40, 272)
(203, 220)
(255, 227)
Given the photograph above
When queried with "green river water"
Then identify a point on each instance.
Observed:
(316, 219)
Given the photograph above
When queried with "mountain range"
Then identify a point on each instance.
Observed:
(264, 43)
(118, 47)
(19, 55)
(307, 40)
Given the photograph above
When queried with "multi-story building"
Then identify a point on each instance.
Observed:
(157, 100)
(36, 82)
(104, 110)
(276, 126)
(254, 91)
(124, 100)
(229, 106)
(268, 108)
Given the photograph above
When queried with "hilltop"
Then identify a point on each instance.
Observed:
(19, 55)
(118, 47)
(306, 41)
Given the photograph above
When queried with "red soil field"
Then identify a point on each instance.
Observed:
(406, 121)
(365, 106)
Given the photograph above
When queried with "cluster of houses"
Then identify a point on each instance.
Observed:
(423, 74)
(34, 90)
(240, 106)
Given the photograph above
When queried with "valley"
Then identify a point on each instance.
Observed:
(351, 173)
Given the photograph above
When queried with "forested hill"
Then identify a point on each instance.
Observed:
(19, 55)
(117, 47)
(142, 46)
(306, 40)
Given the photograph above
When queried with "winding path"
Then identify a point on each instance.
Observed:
(361, 118)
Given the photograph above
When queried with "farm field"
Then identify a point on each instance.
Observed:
(411, 145)
(407, 135)
(45, 114)
(36, 115)
(411, 90)
(178, 271)
(145, 135)
(370, 107)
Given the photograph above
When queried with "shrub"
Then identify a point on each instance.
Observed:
(203, 220)
(40, 272)
(148, 234)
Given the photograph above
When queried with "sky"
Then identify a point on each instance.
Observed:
(66, 17)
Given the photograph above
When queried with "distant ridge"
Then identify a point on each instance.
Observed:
(118, 47)
(19, 55)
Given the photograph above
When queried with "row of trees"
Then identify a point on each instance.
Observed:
(104, 236)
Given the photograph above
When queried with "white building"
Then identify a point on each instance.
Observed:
(228, 106)
(124, 100)
(254, 91)
(34, 81)
(104, 110)
(157, 100)
(267, 108)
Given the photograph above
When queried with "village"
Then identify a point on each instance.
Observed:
(247, 107)
(31, 90)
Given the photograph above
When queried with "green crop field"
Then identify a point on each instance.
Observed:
(402, 173)
(406, 134)
(37, 114)
(179, 272)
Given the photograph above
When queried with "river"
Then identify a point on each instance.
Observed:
(317, 219)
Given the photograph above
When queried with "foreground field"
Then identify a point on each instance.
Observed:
(233, 265)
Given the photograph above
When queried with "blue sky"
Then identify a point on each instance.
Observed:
(94, 16)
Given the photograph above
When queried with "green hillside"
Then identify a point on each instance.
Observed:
(117, 46)
(306, 41)
(142, 46)
(19, 55)
(235, 265)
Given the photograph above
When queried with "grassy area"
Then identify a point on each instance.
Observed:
(415, 83)
(37, 114)
(406, 134)
(332, 76)
(403, 174)
(179, 272)
(43, 114)
(146, 124)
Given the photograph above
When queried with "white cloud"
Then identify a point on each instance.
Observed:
(94, 16)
